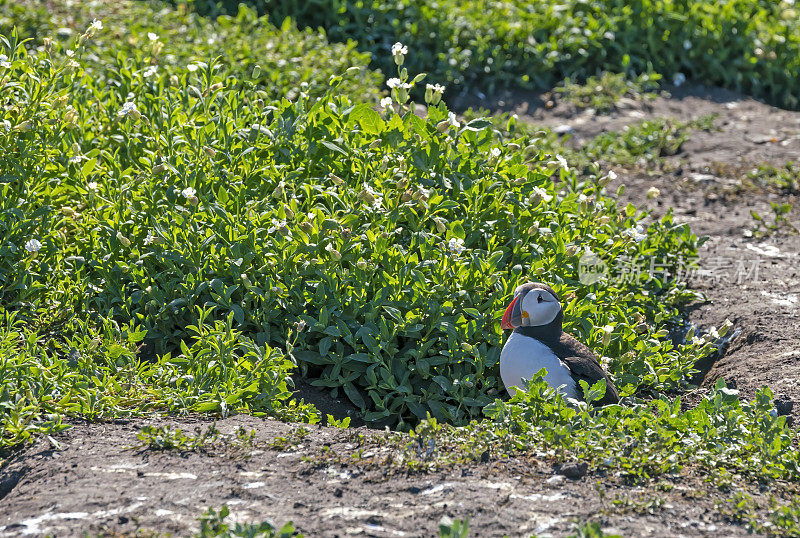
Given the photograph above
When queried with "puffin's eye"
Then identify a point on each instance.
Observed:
(539, 299)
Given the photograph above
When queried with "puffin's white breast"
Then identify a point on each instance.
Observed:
(523, 356)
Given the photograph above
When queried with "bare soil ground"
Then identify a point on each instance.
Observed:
(90, 480)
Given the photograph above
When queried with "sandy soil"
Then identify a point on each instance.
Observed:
(96, 483)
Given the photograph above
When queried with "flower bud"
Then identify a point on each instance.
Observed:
(336, 179)
(68, 212)
(246, 281)
(124, 240)
(443, 126)
(211, 152)
(335, 254)
(193, 200)
(256, 71)
(726, 326)
(288, 211)
(406, 196)
(361, 264)
(216, 86)
(278, 191)
(440, 225)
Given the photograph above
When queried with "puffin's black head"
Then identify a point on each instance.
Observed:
(534, 305)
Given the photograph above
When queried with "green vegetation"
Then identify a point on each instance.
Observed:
(604, 92)
(639, 441)
(157, 45)
(747, 45)
(784, 179)
(186, 224)
(212, 524)
(194, 215)
(168, 438)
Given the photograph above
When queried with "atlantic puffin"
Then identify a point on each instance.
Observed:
(535, 316)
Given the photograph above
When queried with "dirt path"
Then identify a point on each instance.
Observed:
(95, 483)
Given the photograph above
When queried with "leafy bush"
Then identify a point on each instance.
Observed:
(747, 45)
(281, 61)
(395, 240)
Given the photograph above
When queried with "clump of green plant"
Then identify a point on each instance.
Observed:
(780, 221)
(212, 524)
(638, 440)
(746, 45)
(648, 141)
(774, 519)
(604, 92)
(785, 178)
(291, 441)
(170, 438)
(453, 528)
(591, 529)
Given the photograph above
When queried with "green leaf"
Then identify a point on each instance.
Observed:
(370, 121)
(88, 167)
(333, 147)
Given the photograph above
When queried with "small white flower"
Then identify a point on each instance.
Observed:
(152, 37)
(456, 245)
(4, 61)
(386, 102)
(399, 48)
(92, 185)
(76, 159)
(612, 175)
(393, 82)
(539, 192)
(437, 88)
(150, 238)
(653, 192)
(150, 71)
(33, 245)
(562, 162)
(96, 25)
(687, 45)
(70, 53)
(192, 68)
(187, 192)
(637, 233)
(276, 225)
(451, 117)
(678, 79)
(128, 110)
(495, 152)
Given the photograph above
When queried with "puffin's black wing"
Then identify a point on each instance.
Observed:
(584, 365)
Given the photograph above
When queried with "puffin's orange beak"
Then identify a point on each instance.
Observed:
(506, 323)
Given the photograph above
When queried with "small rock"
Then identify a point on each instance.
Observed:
(564, 129)
(574, 469)
(556, 480)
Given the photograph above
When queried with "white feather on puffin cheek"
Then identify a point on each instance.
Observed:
(540, 312)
